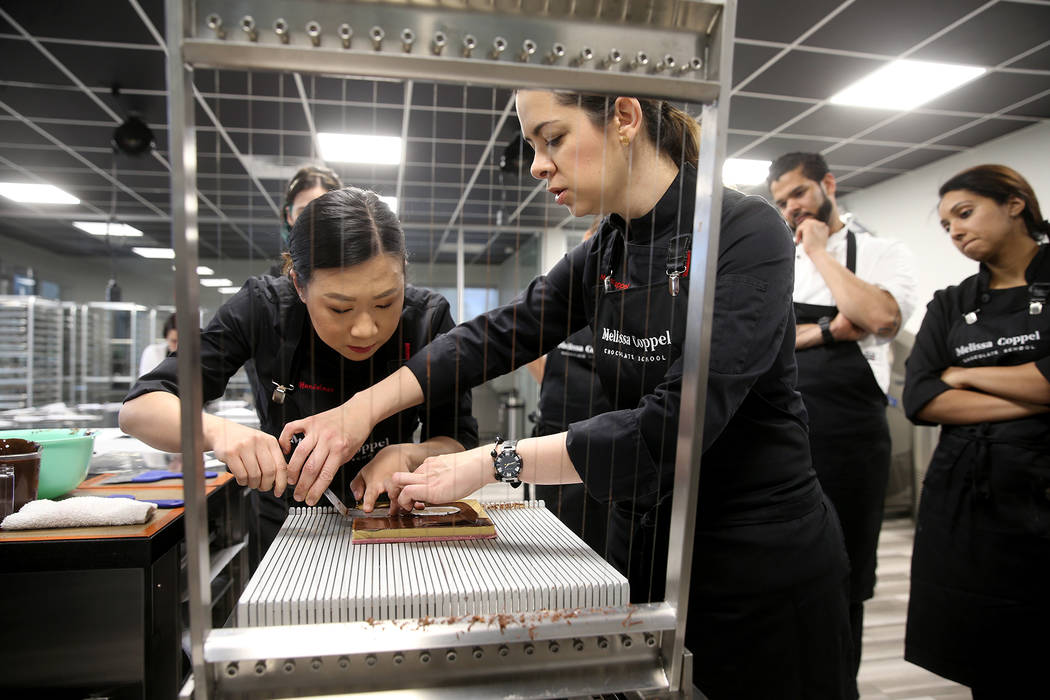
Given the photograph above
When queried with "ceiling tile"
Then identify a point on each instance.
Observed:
(985, 131)
(773, 148)
(992, 92)
(858, 154)
(888, 26)
(837, 121)
(1037, 60)
(1036, 108)
(756, 114)
(747, 59)
(1001, 32)
(916, 128)
(916, 158)
(110, 20)
(773, 21)
(864, 178)
(803, 74)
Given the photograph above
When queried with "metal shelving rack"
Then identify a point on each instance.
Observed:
(31, 351)
(72, 358)
(318, 36)
(112, 337)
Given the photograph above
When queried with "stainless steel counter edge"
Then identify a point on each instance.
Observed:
(237, 644)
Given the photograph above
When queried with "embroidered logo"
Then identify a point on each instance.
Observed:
(316, 387)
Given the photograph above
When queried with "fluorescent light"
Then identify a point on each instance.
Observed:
(205, 270)
(390, 202)
(216, 282)
(357, 148)
(906, 84)
(745, 171)
(468, 248)
(36, 194)
(101, 228)
(154, 252)
(229, 290)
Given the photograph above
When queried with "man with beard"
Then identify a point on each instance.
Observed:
(852, 294)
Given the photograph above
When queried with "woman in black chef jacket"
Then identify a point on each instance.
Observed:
(979, 611)
(767, 608)
(339, 321)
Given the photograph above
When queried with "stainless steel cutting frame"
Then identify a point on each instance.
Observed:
(574, 46)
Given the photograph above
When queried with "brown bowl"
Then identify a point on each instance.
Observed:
(24, 456)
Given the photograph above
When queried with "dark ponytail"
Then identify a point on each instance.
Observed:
(670, 129)
(999, 183)
(340, 229)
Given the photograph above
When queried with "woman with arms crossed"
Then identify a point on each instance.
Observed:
(767, 610)
(340, 320)
(978, 611)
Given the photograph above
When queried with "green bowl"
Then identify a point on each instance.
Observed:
(64, 457)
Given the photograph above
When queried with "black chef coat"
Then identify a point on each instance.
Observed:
(267, 323)
(978, 610)
(767, 616)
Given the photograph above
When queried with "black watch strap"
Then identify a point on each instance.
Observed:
(825, 329)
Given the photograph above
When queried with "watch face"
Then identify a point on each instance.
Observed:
(508, 464)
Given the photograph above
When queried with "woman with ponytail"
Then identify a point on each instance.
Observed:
(980, 368)
(767, 606)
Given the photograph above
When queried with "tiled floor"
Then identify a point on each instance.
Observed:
(884, 674)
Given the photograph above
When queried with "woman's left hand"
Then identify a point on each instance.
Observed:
(442, 479)
(955, 377)
(375, 477)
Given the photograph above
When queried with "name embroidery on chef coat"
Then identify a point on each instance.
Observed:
(634, 348)
(1003, 345)
(316, 387)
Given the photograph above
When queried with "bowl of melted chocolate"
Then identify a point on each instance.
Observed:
(24, 456)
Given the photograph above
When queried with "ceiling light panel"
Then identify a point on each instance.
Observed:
(360, 148)
(30, 193)
(745, 171)
(904, 84)
(101, 228)
(159, 253)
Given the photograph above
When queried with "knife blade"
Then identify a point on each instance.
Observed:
(336, 503)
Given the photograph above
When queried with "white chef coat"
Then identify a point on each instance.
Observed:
(885, 263)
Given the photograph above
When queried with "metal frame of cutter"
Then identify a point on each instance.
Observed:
(643, 648)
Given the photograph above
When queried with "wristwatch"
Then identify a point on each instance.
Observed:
(825, 329)
(506, 462)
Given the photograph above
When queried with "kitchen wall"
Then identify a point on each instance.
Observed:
(906, 206)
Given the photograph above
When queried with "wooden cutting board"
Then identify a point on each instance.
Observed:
(459, 520)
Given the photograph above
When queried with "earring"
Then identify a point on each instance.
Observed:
(625, 140)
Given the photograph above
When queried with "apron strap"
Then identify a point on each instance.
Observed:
(286, 354)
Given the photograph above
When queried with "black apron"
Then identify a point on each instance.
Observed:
(639, 330)
(306, 387)
(979, 610)
(849, 437)
(782, 644)
(571, 392)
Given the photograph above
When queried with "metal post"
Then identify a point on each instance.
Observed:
(696, 352)
(183, 149)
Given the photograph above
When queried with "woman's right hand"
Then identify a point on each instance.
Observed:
(330, 439)
(253, 457)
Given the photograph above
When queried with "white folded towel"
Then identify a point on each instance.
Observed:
(79, 511)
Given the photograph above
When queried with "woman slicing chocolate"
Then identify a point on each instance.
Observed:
(341, 319)
(767, 607)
